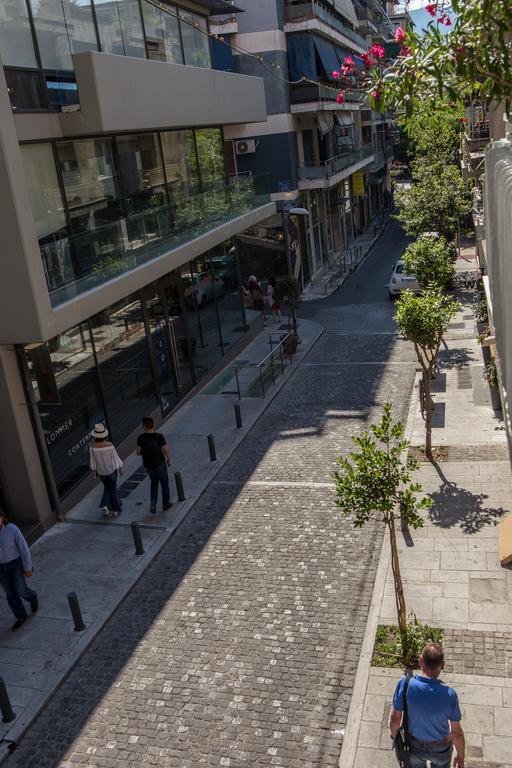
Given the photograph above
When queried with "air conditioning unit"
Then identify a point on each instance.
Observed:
(245, 147)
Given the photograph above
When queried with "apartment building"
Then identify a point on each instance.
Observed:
(486, 155)
(120, 279)
(331, 159)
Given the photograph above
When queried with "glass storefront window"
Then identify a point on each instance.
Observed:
(196, 44)
(211, 158)
(142, 171)
(181, 167)
(162, 34)
(221, 265)
(16, 45)
(124, 365)
(202, 289)
(66, 390)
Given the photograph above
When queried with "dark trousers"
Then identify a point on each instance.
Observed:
(158, 476)
(12, 579)
(110, 496)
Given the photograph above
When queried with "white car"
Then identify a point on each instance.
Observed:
(401, 281)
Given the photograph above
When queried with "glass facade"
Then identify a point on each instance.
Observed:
(106, 205)
(39, 37)
(147, 351)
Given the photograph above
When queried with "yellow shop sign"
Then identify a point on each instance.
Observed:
(358, 183)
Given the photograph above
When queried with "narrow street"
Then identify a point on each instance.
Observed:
(240, 643)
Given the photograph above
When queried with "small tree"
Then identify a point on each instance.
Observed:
(430, 259)
(424, 320)
(374, 483)
(438, 202)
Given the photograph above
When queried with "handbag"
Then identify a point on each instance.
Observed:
(401, 743)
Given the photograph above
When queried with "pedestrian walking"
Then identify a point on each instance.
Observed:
(153, 449)
(274, 303)
(106, 464)
(258, 302)
(433, 714)
(15, 566)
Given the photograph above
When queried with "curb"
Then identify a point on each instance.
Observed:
(9, 741)
(348, 752)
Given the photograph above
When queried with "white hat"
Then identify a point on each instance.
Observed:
(253, 279)
(100, 432)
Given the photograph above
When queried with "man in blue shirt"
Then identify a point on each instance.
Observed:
(15, 564)
(433, 714)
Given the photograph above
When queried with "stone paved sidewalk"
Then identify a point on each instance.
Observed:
(451, 570)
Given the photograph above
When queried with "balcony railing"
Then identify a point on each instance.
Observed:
(329, 168)
(311, 10)
(81, 262)
(307, 93)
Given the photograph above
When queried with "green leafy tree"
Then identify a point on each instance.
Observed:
(431, 260)
(461, 55)
(434, 133)
(437, 202)
(424, 320)
(374, 483)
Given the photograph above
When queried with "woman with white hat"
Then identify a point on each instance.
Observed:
(106, 464)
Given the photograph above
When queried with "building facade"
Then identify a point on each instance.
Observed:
(331, 159)
(120, 217)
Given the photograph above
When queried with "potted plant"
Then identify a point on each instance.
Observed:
(491, 377)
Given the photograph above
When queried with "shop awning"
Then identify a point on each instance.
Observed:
(344, 118)
(327, 55)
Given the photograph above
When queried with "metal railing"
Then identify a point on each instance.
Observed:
(305, 93)
(308, 10)
(267, 371)
(328, 168)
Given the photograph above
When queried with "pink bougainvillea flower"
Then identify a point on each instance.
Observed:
(431, 9)
(405, 51)
(340, 98)
(348, 61)
(399, 35)
(448, 22)
(336, 74)
(368, 60)
(377, 51)
(441, 18)
(463, 119)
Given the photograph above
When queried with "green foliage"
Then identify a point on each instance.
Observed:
(374, 482)
(434, 134)
(491, 373)
(391, 648)
(473, 59)
(481, 312)
(430, 259)
(438, 202)
(424, 319)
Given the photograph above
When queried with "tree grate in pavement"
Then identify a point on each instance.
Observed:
(478, 653)
(132, 482)
(464, 380)
(469, 453)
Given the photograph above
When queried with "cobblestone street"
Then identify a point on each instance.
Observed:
(239, 645)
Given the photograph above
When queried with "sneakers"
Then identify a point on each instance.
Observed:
(153, 509)
(19, 623)
(106, 511)
(167, 506)
(34, 604)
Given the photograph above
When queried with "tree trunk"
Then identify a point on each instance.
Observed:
(397, 578)
(427, 378)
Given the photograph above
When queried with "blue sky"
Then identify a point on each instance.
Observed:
(419, 14)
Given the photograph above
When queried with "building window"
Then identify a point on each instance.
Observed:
(181, 167)
(16, 43)
(196, 44)
(52, 34)
(162, 34)
(131, 28)
(79, 19)
(210, 152)
(66, 389)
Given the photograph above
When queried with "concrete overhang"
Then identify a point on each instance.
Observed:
(121, 93)
(331, 181)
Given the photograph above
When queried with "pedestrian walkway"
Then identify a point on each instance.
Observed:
(347, 261)
(451, 570)
(95, 557)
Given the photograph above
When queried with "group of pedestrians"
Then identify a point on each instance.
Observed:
(266, 304)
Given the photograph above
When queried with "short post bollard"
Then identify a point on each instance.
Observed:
(238, 416)
(5, 704)
(76, 612)
(137, 539)
(179, 486)
(211, 446)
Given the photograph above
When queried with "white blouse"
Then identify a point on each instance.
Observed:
(104, 460)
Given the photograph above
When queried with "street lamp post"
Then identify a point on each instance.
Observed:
(287, 212)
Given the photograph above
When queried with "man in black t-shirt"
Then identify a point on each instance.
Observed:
(152, 448)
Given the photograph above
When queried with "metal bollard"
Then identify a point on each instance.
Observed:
(211, 446)
(76, 612)
(238, 416)
(137, 539)
(179, 486)
(5, 704)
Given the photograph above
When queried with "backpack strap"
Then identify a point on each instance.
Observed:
(405, 718)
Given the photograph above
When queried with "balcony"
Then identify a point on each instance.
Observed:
(473, 157)
(79, 263)
(326, 174)
(306, 11)
(309, 97)
(378, 161)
